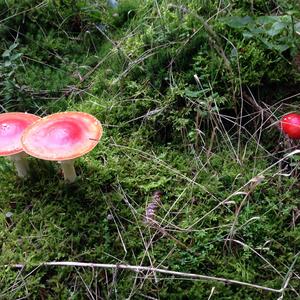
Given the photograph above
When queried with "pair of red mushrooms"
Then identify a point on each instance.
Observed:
(59, 137)
(65, 136)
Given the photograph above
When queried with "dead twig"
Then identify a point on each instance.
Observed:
(288, 276)
(152, 269)
(268, 115)
(252, 184)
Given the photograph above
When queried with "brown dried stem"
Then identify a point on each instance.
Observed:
(151, 269)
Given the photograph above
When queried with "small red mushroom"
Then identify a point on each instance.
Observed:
(290, 125)
(12, 126)
(62, 137)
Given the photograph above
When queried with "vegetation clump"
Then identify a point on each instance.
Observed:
(192, 174)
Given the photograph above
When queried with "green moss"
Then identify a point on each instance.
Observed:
(156, 79)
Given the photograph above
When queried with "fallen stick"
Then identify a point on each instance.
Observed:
(150, 269)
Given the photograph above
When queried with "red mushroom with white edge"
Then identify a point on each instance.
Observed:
(62, 137)
(12, 125)
(290, 125)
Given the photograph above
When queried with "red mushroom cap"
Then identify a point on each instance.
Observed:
(62, 136)
(12, 126)
(290, 124)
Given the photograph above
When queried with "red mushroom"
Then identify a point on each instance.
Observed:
(62, 137)
(12, 126)
(290, 125)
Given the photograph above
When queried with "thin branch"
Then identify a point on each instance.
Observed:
(288, 276)
(151, 269)
(41, 5)
(268, 115)
(240, 191)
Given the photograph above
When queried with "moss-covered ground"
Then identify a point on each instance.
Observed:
(173, 83)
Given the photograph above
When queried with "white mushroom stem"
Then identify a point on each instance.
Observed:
(20, 163)
(68, 170)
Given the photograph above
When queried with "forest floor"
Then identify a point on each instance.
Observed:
(192, 192)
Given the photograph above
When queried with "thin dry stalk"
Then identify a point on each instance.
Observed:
(146, 245)
(211, 292)
(140, 269)
(150, 218)
(240, 191)
(40, 5)
(165, 165)
(268, 115)
(89, 293)
(253, 183)
(267, 262)
(288, 276)
(216, 44)
(20, 283)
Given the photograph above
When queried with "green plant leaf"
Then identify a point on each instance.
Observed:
(277, 47)
(194, 94)
(247, 34)
(7, 63)
(265, 20)
(13, 46)
(6, 53)
(276, 28)
(16, 56)
(238, 22)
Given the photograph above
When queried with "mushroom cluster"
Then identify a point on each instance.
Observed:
(58, 137)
